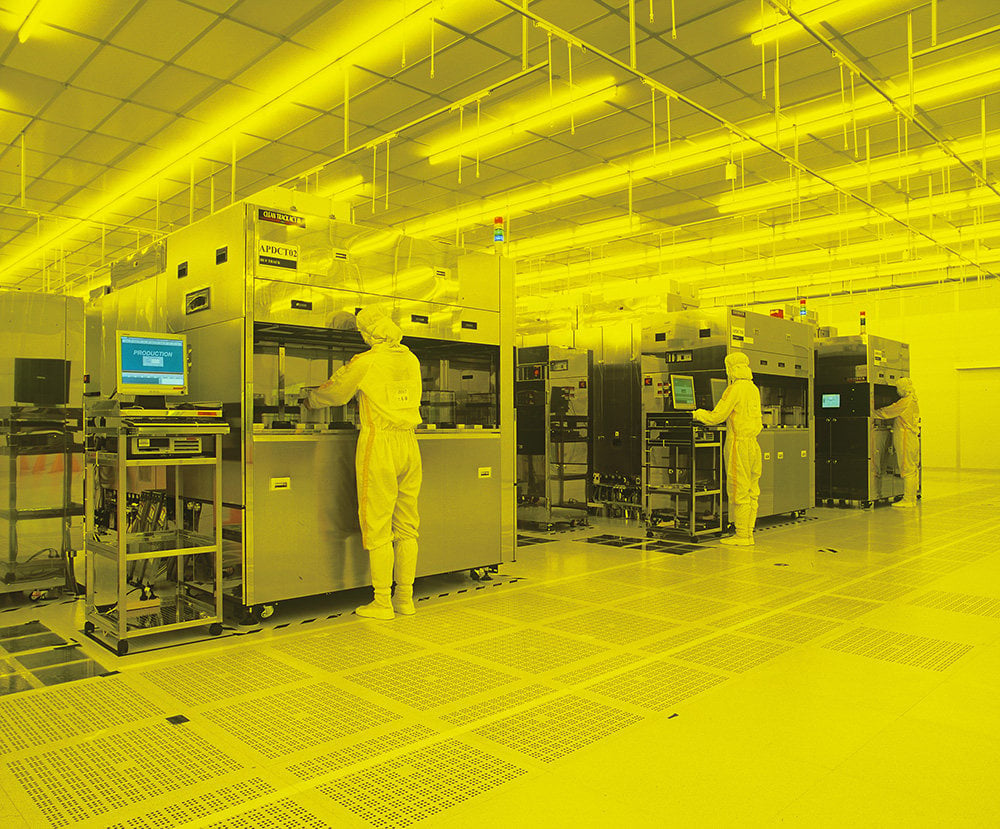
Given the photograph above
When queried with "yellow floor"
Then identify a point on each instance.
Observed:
(843, 672)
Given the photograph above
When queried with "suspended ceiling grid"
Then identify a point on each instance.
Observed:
(134, 91)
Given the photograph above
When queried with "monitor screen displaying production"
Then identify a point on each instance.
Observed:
(151, 363)
(830, 401)
(718, 389)
(682, 392)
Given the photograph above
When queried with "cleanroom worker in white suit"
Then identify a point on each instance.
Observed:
(905, 416)
(740, 408)
(386, 379)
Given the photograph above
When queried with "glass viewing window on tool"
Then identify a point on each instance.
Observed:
(718, 389)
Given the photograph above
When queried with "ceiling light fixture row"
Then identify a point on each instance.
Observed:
(909, 113)
(373, 34)
(471, 216)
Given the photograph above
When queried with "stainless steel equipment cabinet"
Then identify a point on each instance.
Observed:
(856, 463)
(780, 352)
(42, 446)
(165, 567)
(682, 476)
(266, 294)
(553, 437)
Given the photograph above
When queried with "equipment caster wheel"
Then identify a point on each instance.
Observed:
(480, 574)
(89, 627)
(214, 629)
(122, 648)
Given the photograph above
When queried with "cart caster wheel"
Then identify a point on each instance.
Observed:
(37, 595)
(214, 629)
(480, 574)
(89, 627)
(266, 611)
(122, 648)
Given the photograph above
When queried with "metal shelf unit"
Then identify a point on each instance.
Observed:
(553, 437)
(39, 432)
(195, 591)
(682, 476)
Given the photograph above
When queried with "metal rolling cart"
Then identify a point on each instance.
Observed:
(682, 480)
(37, 433)
(167, 569)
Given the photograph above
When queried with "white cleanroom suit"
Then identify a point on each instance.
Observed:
(386, 379)
(905, 416)
(740, 408)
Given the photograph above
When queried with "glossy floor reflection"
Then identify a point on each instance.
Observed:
(841, 672)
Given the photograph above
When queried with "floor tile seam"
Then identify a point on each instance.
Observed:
(806, 798)
(912, 603)
(450, 731)
(269, 639)
(818, 519)
(20, 668)
(62, 743)
(168, 799)
(648, 715)
(598, 572)
(646, 660)
(490, 614)
(429, 644)
(151, 689)
(899, 604)
(816, 641)
(848, 767)
(501, 667)
(965, 533)
(200, 711)
(237, 748)
(859, 627)
(236, 775)
(694, 641)
(676, 660)
(95, 681)
(588, 639)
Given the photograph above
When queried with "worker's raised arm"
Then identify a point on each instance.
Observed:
(342, 386)
(721, 411)
(892, 410)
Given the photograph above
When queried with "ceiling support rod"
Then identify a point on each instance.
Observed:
(551, 28)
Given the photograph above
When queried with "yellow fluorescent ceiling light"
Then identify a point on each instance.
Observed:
(736, 279)
(514, 121)
(775, 24)
(690, 155)
(929, 159)
(856, 278)
(349, 186)
(31, 21)
(598, 231)
(377, 35)
(801, 231)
